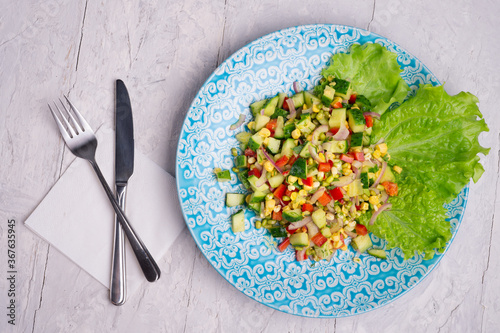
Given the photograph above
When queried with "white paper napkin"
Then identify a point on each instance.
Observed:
(77, 218)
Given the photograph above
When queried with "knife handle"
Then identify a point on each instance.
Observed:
(146, 261)
(118, 285)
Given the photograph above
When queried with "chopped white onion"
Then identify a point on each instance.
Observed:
(380, 210)
(291, 107)
(384, 166)
(300, 224)
(237, 124)
(344, 180)
(317, 132)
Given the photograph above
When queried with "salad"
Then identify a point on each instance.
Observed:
(326, 167)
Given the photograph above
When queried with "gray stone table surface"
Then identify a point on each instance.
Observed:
(165, 50)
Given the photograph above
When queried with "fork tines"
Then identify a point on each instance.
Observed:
(69, 126)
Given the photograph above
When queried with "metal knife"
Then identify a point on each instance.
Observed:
(124, 167)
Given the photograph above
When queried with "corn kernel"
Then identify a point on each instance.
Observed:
(377, 154)
(357, 260)
(346, 171)
(398, 169)
(268, 166)
(291, 187)
(251, 125)
(286, 207)
(365, 206)
(265, 133)
(344, 247)
(300, 181)
(336, 237)
(292, 179)
(315, 108)
(293, 196)
(307, 188)
(347, 124)
(316, 184)
(365, 197)
(266, 141)
(277, 208)
(309, 137)
(247, 198)
(355, 107)
(302, 193)
(336, 100)
(330, 216)
(306, 213)
(310, 161)
(383, 148)
(296, 133)
(251, 160)
(346, 166)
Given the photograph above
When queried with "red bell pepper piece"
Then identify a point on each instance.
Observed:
(352, 99)
(301, 255)
(277, 216)
(281, 162)
(336, 193)
(324, 167)
(346, 158)
(254, 172)
(369, 121)
(324, 199)
(308, 181)
(361, 229)
(284, 244)
(359, 156)
(319, 239)
(307, 207)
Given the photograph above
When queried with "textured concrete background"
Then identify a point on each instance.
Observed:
(164, 51)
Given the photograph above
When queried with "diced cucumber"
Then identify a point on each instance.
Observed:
(342, 88)
(240, 161)
(337, 118)
(299, 239)
(253, 180)
(243, 137)
(278, 132)
(280, 113)
(281, 99)
(287, 149)
(365, 181)
(243, 176)
(299, 168)
(357, 139)
(355, 188)
(310, 99)
(305, 125)
(255, 207)
(292, 215)
(378, 253)
(277, 232)
(271, 106)
(258, 196)
(298, 99)
(223, 176)
(288, 129)
(328, 95)
(238, 221)
(255, 142)
(273, 145)
(388, 176)
(261, 121)
(256, 107)
(338, 147)
(319, 218)
(363, 101)
(362, 243)
(304, 152)
(356, 120)
(234, 199)
(276, 180)
(326, 231)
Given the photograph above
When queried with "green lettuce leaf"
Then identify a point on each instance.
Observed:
(373, 71)
(434, 137)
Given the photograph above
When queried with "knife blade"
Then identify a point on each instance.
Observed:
(124, 168)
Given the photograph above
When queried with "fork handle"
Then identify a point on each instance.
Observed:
(146, 261)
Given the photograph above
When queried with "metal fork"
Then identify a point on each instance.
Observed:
(82, 142)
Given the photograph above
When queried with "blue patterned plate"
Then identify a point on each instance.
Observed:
(250, 260)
